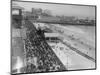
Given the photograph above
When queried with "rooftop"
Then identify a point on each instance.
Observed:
(51, 34)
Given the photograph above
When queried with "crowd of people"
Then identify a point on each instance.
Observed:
(39, 55)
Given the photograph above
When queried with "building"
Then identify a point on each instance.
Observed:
(17, 16)
(52, 37)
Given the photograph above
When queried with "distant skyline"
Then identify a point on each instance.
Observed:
(57, 9)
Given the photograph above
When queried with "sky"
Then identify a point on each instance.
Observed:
(60, 9)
